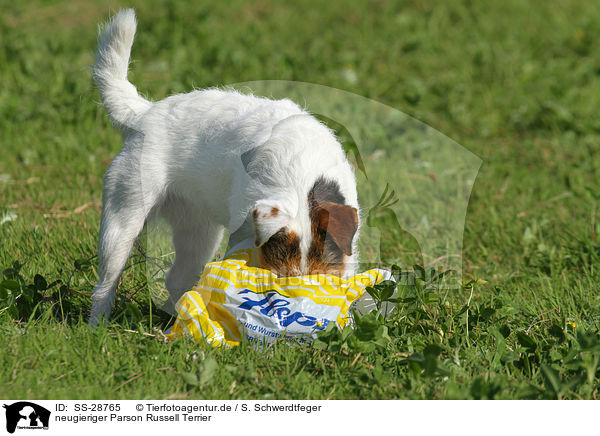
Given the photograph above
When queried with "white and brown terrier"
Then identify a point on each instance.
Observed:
(213, 159)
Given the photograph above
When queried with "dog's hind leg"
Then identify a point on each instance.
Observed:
(196, 239)
(125, 208)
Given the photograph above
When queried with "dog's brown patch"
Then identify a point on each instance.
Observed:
(333, 225)
(337, 221)
(281, 254)
(274, 211)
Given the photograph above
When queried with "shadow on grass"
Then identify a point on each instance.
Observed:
(67, 298)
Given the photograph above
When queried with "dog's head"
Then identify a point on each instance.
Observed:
(317, 240)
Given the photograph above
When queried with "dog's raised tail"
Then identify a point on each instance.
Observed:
(121, 99)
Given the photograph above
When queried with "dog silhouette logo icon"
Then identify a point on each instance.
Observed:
(26, 415)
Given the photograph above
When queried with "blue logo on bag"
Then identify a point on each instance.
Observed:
(277, 308)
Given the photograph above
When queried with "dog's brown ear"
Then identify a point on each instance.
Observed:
(339, 221)
(268, 217)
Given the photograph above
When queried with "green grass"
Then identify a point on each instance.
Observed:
(516, 83)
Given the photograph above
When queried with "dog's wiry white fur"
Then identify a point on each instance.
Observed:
(204, 161)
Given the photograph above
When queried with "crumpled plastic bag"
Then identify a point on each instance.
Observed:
(233, 302)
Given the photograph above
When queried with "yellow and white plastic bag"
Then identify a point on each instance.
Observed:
(233, 301)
